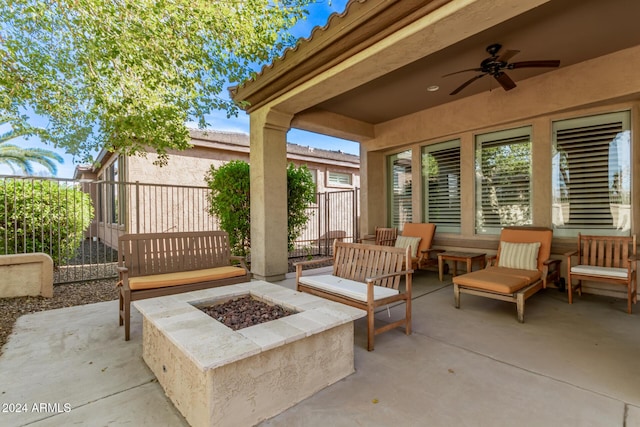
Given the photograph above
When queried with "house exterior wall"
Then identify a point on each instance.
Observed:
(141, 210)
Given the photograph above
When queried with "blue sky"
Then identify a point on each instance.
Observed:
(319, 12)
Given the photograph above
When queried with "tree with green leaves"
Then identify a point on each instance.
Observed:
(127, 75)
(229, 201)
(20, 159)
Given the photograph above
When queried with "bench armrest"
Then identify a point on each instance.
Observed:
(242, 260)
(384, 276)
(570, 254)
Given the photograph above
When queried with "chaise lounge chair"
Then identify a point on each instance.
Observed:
(520, 268)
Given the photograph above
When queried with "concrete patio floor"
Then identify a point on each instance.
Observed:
(575, 365)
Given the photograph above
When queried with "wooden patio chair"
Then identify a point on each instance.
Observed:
(386, 236)
(520, 268)
(607, 259)
(423, 234)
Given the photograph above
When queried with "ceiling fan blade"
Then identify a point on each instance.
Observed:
(551, 63)
(467, 83)
(463, 71)
(506, 56)
(505, 81)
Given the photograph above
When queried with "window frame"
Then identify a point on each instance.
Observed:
(495, 139)
(427, 201)
(406, 198)
(557, 210)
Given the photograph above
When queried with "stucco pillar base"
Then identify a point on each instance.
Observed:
(272, 278)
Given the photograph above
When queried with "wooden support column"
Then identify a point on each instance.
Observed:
(268, 160)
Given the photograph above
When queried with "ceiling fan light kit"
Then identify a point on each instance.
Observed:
(495, 66)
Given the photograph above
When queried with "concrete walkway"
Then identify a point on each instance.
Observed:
(575, 365)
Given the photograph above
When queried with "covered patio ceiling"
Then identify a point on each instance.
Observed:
(364, 68)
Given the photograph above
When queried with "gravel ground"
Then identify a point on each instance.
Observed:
(63, 296)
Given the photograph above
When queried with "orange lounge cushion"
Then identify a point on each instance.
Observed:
(184, 277)
(498, 279)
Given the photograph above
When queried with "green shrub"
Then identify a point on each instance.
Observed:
(43, 216)
(230, 202)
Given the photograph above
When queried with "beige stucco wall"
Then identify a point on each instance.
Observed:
(566, 93)
(26, 275)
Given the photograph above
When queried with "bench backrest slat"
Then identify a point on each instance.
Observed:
(358, 262)
(158, 253)
(606, 251)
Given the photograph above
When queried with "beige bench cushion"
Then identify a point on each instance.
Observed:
(498, 279)
(593, 270)
(348, 288)
(184, 277)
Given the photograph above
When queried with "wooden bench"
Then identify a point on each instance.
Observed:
(608, 259)
(158, 264)
(366, 277)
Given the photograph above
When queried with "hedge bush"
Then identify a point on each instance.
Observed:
(43, 216)
(230, 202)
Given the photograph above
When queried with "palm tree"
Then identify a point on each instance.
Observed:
(21, 159)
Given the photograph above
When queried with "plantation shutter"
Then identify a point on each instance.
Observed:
(400, 208)
(441, 177)
(338, 178)
(503, 163)
(593, 171)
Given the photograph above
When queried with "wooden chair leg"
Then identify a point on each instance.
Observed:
(520, 305)
(127, 316)
(407, 318)
(569, 289)
(456, 295)
(120, 312)
(370, 328)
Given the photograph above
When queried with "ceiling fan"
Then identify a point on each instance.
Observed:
(496, 64)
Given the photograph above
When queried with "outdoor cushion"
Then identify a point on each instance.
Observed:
(519, 255)
(498, 279)
(600, 271)
(349, 288)
(184, 277)
(406, 242)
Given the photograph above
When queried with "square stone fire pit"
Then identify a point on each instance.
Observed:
(217, 376)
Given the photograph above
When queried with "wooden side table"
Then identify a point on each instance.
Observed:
(468, 257)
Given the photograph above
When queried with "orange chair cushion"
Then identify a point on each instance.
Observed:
(498, 279)
(425, 231)
(523, 235)
(155, 281)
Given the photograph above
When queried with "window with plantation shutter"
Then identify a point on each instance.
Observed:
(338, 178)
(592, 175)
(441, 185)
(400, 209)
(503, 180)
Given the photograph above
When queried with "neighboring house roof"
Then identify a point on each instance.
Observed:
(237, 141)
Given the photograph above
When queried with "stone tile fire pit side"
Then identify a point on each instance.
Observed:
(216, 376)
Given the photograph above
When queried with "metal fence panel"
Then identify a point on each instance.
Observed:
(133, 207)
